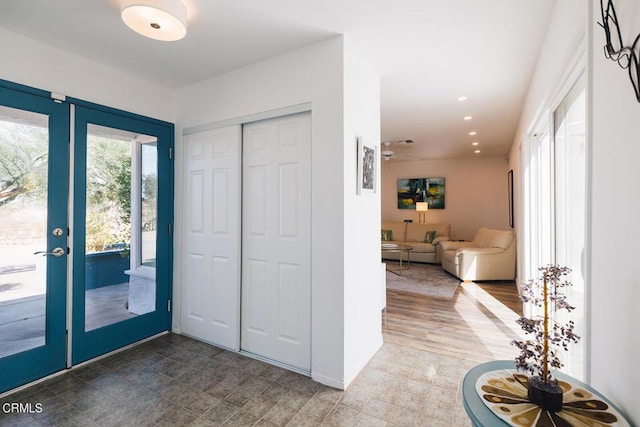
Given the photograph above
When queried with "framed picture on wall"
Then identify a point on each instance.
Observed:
(367, 167)
(413, 190)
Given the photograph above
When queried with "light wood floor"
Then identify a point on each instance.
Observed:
(477, 324)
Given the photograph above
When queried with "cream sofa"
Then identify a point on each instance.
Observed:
(413, 234)
(490, 256)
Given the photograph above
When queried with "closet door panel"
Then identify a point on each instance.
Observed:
(276, 245)
(211, 286)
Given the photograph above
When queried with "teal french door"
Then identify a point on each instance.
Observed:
(86, 197)
(122, 216)
(34, 160)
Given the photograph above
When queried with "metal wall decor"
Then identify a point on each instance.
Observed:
(625, 56)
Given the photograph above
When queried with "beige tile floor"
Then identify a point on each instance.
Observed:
(174, 381)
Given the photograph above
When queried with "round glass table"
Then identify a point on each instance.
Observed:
(401, 250)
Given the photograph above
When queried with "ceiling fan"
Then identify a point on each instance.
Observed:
(389, 154)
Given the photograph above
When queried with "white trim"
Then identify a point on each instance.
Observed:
(588, 199)
(329, 381)
(135, 219)
(574, 70)
(135, 267)
(575, 66)
(241, 120)
(570, 79)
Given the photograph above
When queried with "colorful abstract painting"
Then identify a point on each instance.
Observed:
(412, 190)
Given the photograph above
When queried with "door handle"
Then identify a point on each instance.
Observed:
(57, 252)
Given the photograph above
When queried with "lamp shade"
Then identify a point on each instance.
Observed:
(422, 206)
(164, 20)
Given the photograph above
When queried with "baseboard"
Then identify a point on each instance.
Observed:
(328, 381)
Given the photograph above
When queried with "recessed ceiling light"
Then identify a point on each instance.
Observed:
(473, 133)
(475, 143)
(468, 117)
(477, 151)
(462, 98)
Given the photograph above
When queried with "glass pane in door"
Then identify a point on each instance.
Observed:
(570, 213)
(120, 226)
(24, 140)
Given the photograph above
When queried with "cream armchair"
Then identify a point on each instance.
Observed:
(490, 256)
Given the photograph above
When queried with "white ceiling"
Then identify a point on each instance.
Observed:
(427, 52)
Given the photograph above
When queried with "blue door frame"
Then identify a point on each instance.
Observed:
(30, 365)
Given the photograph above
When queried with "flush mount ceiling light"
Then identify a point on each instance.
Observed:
(164, 20)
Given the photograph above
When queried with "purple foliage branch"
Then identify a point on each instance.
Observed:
(540, 352)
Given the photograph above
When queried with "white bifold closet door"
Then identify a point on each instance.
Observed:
(276, 240)
(211, 251)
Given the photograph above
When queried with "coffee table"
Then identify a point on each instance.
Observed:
(399, 248)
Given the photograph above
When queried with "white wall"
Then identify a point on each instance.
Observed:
(312, 75)
(35, 64)
(362, 322)
(475, 193)
(614, 343)
(613, 287)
